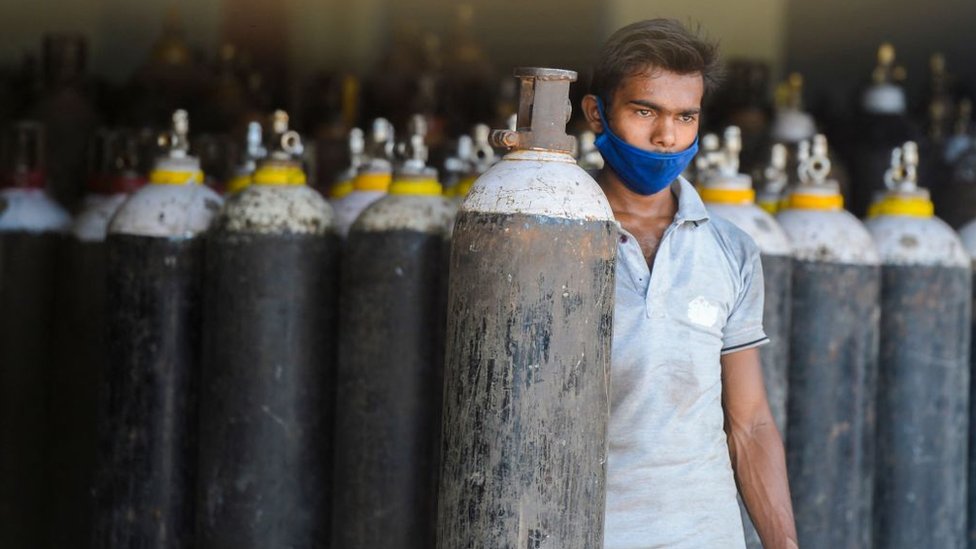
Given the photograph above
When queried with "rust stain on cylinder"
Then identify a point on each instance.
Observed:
(526, 382)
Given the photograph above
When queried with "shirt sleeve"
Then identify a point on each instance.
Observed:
(743, 329)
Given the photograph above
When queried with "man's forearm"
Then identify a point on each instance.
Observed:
(760, 470)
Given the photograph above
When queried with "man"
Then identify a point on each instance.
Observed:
(688, 406)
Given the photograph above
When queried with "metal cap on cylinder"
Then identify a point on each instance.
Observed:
(721, 181)
(544, 109)
(176, 141)
(285, 144)
(283, 163)
(903, 196)
(176, 166)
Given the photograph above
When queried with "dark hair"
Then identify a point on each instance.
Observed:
(654, 44)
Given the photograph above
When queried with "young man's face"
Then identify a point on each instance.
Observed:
(655, 110)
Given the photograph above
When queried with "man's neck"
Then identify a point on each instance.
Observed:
(625, 203)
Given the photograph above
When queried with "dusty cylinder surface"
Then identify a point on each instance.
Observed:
(31, 230)
(390, 373)
(79, 369)
(268, 370)
(148, 437)
(526, 407)
(832, 376)
(923, 384)
(968, 236)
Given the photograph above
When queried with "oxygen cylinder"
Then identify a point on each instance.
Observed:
(82, 339)
(833, 361)
(729, 194)
(482, 158)
(955, 197)
(31, 230)
(775, 180)
(968, 236)
(390, 361)
(268, 361)
(530, 307)
(923, 373)
(373, 179)
(458, 166)
(149, 436)
(791, 124)
(883, 125)
(253, 152)
(357, 157)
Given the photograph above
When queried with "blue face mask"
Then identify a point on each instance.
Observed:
(641, 171)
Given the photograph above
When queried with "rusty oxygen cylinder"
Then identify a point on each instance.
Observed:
(729, 194)
(923, 368)
(391, 346)
(268, 360)
(833, 360)
(82, 338)
(148, 438)
(32, 227)
(530, 306)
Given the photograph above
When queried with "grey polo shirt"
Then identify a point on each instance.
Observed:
(670, 482)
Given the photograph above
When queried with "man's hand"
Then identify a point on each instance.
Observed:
(756, 450)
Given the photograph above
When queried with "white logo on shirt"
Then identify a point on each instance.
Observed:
(702, 312)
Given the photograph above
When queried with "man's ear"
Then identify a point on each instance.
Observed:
(592, 113)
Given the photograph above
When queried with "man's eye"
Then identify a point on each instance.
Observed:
(643, 112)
(687, 118)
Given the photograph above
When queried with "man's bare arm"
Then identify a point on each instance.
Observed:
(756, 448)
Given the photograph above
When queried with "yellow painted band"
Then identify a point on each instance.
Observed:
(173, 177)
(423, 187)
(771, 206)
(372, 182)
(815, 201)
(729, 196)
(464, 186)
(238, 183)
(340, 189)
(898, 205)
(278, 175)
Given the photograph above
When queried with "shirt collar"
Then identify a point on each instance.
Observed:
(690, 205)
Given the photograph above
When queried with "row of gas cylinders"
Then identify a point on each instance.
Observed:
(236, 373)
(868, 369)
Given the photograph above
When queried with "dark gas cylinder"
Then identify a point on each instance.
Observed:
(390, 362)
(833, 361)
(32, 226)
(148, 436)
(479, 157)
(923, 373)
(530, 305)
(269, 354)
(968, 236)
(882, 125)
(729, 194)
(373, 178)
(82, 340)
